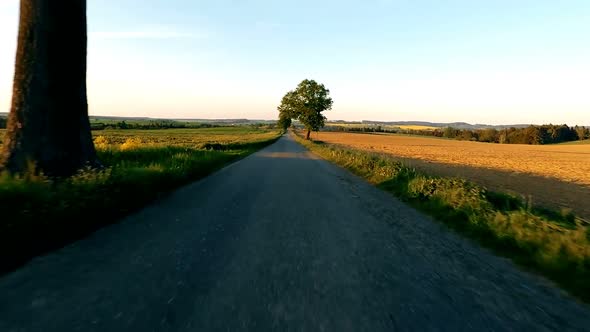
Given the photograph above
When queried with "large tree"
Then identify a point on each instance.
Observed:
(306, 104)
(48, 123)
(284, 121)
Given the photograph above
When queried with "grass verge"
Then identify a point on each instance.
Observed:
(554, 244)
(39, 214)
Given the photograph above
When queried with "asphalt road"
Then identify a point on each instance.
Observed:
(280, 241)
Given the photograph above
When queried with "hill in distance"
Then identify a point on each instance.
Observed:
(458, 125)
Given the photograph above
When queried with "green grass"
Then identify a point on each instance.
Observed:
(39, 214)
(553, 243)
(586, 141)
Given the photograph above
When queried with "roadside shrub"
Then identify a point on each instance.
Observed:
(131, 143)
(101, 143)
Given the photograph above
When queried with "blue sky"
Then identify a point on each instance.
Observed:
(492, 61)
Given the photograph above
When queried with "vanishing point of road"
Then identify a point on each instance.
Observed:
(280, 241)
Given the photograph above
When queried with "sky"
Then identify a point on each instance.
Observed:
(477, 61)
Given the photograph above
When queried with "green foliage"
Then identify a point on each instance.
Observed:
(582, 133)
(284, 121)
(450, 132)
(3, 122)
(306, 104)
(553, 243)
(488, 136)
(40, 214)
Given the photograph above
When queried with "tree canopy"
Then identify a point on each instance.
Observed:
(284, 121)
(306, 104)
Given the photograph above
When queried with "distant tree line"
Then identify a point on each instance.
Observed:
(158, 124)
(545, 134)
(149, 124)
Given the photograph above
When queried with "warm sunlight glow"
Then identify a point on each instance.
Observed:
(166, 64)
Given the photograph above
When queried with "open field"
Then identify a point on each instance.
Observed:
(389, 127)
(551, 175)
(40, 214)
(193, 138)
(416, 127)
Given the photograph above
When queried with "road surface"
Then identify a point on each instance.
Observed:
(280, 241)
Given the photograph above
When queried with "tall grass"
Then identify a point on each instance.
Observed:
(40, 214)
(553, 243)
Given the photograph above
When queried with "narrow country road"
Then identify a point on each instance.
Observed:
(280, 241)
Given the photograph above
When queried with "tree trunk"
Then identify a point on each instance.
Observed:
(48, 123)
(308, 133)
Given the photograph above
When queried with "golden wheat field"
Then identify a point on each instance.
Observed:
(550, 175)
(417, 127)
(404, 127)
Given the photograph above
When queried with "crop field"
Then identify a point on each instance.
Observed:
(194, 138)
(387, 127)
(556, 176)
(416, 127)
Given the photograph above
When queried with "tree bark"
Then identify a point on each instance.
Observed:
(308, 133)
(48, 123)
